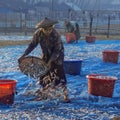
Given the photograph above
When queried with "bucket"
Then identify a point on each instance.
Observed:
(70, 37)
(7, 91)
(101, 85)
(110, 56)
(72, 67)
(90, 39)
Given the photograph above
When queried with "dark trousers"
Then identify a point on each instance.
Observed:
(54, 77)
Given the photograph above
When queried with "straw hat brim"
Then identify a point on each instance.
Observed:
(46, 23)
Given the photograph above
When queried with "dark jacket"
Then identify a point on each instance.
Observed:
(52, 46)
(69, 27)
(77, 31)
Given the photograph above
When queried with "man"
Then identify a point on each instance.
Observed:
(69, 26)
(77, 32)
(52, 54)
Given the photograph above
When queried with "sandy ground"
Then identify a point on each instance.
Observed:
(12, 42)
(23, 42)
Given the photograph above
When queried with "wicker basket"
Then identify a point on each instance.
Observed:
(33, 66)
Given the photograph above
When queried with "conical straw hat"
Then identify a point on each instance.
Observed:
(46, 23)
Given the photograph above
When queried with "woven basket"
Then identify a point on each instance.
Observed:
(33, 67)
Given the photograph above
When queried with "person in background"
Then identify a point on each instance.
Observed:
(73, 29)
(77, 32)
(69, 27)
(52, 54)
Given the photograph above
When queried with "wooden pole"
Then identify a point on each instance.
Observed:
(108, 33)
(51, 8)
(91, 21)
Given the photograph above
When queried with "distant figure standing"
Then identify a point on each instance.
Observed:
(69, 29)
(73, 29)
(69, 26)
(77, 32)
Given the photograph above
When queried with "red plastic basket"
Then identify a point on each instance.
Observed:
(90, 39)
(101, 85)
(110, 56)
(70, 37)
(7, 90)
